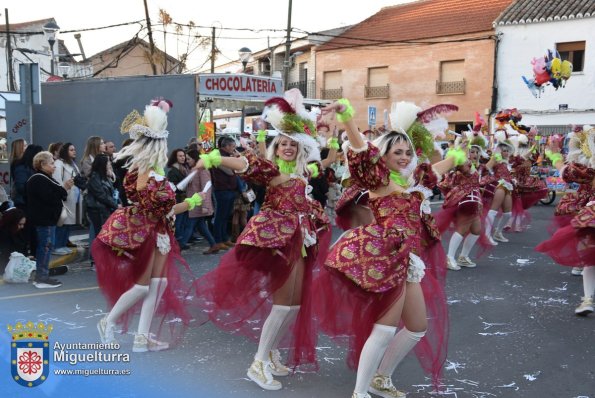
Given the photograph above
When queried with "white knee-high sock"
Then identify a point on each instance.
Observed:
(589, 281)
(502, 222)
(398, 348)
(455, 242)
(126, 300)
(371, 355)
(293, 311)
(468, 244)
(490, 222)
(270, 329)
(156, 289)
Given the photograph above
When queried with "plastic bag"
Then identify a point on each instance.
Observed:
(18, 269)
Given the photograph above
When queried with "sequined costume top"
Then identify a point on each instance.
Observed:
(458, 184)
(376, 256)
(129, 227)
(572, 202)
(286, 207)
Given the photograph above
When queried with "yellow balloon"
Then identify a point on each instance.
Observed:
(566, 70)
(556, 67)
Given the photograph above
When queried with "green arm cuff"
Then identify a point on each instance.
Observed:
(262, 136)
(211, 159)
(347, 113)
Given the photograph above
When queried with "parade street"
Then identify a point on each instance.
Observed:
(513, 333)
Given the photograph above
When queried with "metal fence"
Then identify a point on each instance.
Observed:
(457, 87)
(332, 93)
(376, 91)
(307, 88)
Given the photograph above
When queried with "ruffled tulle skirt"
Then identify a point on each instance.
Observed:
(237, 295)
(118, 271)
(347, 312)
(570, 246)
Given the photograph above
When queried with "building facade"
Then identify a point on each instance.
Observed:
(427, 52)
(527, 30)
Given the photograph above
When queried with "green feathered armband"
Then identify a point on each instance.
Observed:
(333, 143)
(211, 159)
(193, 201)
(458, 155)
(314, 172)
(497, 157)
(553, 156)
(159, 170)
(262, 136)
(348, 112)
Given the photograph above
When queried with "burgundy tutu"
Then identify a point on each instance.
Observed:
(571, 247)
(237, 295)
(117, 273)
(350, 312)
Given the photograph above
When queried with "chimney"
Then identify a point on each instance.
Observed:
(77, 36)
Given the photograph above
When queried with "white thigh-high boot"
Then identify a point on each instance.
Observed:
(586, 306)
(498, 232)
(277, 367)
(261, 369)
(128, 299)
(468, 244)
(489, 225)
(397, 349)
(371, 355)
(142, 340)
(453, 245)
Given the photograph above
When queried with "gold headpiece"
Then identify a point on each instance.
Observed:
(130, 120)
(28, 331)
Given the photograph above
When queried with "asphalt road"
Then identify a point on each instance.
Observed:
(513, 333)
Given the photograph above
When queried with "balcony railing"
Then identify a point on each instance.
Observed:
(450, 87)
(376, 91)
(307, 88)
(331, 93)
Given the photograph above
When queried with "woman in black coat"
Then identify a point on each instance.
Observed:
(101, 198)
(44, 205)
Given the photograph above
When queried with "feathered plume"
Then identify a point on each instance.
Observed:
(427, 115)
(403, 114)
(437, 127)
(274, 111)
(479, 122)
(155, 118)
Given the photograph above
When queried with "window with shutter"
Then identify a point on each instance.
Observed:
(574, 52)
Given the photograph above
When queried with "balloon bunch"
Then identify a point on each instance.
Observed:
(549, 69)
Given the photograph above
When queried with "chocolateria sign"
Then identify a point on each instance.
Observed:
(239, 85)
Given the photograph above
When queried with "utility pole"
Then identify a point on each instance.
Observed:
(9, 49)
(287, 48)
(151, 44)
(213, 49)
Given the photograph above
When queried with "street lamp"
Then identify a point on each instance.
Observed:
(245, 54)
(49, 30)
(64, 68)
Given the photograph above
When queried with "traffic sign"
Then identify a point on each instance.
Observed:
(371, 116)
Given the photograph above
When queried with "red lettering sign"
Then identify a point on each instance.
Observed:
(18, 125)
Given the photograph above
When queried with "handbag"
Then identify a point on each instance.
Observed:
(248, 196)
(63, 215)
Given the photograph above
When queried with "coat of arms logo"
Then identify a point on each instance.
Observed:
(30, 352)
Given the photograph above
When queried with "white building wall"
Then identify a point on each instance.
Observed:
(519, 44)
(29, 42)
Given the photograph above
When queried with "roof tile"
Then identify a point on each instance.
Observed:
(424, 19)
(531, 11)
